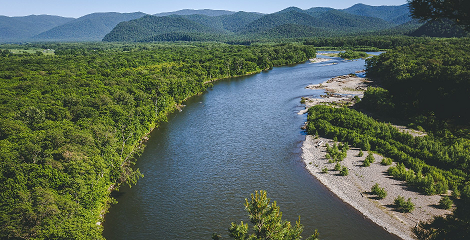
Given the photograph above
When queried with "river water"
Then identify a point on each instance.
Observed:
(240, 136)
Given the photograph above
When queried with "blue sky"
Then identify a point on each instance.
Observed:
(78, 8)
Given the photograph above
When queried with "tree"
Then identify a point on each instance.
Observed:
(455, 10)
(267, 222)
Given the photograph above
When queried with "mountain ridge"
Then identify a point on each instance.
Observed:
(291, 21)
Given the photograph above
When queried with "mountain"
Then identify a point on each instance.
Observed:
(22, 28)
(440, 28)
(239, 20)
(291, 22)
(393, 14)
(206, 12)
(324, 18)
(292, 16)
(91, 27)
(150, 26)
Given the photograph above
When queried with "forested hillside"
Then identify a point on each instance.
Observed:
(393, 14)
(288, 23)
(71, 124)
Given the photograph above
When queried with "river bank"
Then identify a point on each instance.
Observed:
(355, 188)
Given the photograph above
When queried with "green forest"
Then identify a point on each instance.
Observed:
(73, 122)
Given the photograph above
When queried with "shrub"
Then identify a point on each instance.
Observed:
(369, 159)
(344, 171)
(403, 206)
(360, 154)
(380, 192)
(324, 170)
(337, 167)
(445, 202)
(386, 161)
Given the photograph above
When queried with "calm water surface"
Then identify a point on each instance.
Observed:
(240, 136)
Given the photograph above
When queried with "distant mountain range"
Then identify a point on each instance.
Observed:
(291, 22)
(207, 24)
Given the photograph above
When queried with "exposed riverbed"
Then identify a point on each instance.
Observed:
(242, 135)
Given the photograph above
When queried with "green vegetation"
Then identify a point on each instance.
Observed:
(344, 171)
(440, 28)
(324, 170)
(430, 172)
(360, 154)
(267, 222)
(403, 206)
(349, 54)
(337, 152)
(424, 82)
(377, 190)
(445, 202)
(369, 160)
(454, 10)
(290, 23)
(386, 161)
(424, 85)
(338, 166)
(71, 124)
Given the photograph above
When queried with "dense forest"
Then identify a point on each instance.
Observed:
(72, 123)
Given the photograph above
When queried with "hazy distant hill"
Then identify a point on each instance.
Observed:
(393, 14)
(440, 28)
(206, 12)
(92, 27)
(22, 28)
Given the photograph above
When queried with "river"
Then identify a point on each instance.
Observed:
(241, 135)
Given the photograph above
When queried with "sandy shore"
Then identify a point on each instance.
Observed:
(355, 188)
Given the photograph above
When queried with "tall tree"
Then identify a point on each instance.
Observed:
(455, 10)
(267, 222)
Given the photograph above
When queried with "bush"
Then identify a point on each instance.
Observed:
(386, 161)
(403, 206)
(369, 159)
(337, 167)
(380, 192)
(445, 202)
(344, 171)
(360, 154)
(324, 170)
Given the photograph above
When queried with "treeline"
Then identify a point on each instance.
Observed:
(365, 43)
(71, 124)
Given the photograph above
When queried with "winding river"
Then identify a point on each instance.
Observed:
(240, 136)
